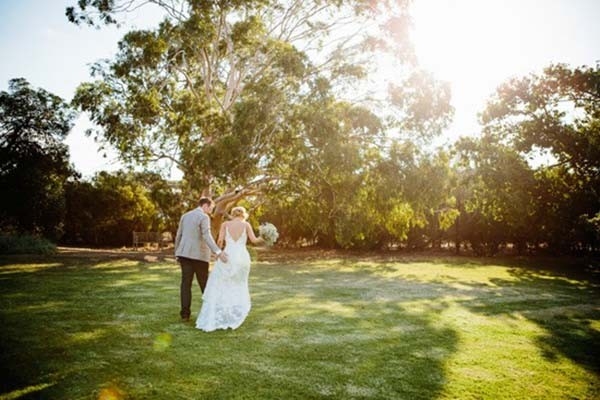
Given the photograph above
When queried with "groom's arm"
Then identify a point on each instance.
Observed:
(179, 233)
(207, 236)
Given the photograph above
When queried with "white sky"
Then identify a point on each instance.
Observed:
(478, 44)
(473, 44)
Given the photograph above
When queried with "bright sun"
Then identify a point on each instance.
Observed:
(476, 45)
(462, 41)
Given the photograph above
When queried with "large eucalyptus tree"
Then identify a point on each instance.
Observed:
(218, 86)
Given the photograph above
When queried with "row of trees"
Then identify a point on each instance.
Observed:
(44, 195)
(481, 193)
(486, 193)
(270, 104)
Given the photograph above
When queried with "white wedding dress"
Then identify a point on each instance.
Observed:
(226, 299)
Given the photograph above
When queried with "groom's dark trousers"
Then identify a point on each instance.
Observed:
(189, 268)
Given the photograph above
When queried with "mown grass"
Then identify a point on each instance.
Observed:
(335, 327)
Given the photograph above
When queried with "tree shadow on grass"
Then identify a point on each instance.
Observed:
(74, 327)
(306, 339)
(585, 269)
(65, 321)
(562, 301)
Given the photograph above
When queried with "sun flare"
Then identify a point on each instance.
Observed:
(477, 45)
(464, 41)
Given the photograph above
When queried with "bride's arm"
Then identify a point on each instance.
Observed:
(251, 236)
(221, 237)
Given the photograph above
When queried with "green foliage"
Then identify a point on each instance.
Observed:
(399, 219)
(217, 88)
(104, 7)
(147, 111)
(34, 161)
(423, 104)
(497, 195)
(105, 211)
(250, 98)
(25, 244)
(385, 202)
(412, 192)
(555, 113)
(325, 164)
(565, 203)
(167, 200)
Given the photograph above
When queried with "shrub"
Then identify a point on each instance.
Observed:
(25, 244)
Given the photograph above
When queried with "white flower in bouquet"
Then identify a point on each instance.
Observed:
(268, 232)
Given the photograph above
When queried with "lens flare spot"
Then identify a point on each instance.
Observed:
(163, 341)
(111, 393)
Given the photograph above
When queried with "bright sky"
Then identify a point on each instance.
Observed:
(478, 44)
(473, 44)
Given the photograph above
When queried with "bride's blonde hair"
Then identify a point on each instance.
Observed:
(239, 211)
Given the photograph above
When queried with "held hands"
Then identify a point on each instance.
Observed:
(223, 256)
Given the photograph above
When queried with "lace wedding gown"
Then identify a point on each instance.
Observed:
(226, 299)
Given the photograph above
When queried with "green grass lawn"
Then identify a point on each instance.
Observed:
(321, 327)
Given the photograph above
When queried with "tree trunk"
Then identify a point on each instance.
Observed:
(226, 201)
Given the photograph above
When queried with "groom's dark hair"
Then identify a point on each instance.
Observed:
(205, 200)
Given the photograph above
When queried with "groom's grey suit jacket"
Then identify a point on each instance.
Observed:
(194, 239)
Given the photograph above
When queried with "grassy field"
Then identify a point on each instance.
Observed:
(322, 326)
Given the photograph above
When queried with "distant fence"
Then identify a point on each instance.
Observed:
(143, 238)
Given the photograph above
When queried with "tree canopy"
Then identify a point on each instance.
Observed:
(220, 87)
(285, 99)
(34, 161)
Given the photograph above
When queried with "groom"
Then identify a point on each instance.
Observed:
(193, 246)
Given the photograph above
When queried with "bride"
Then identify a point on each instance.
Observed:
(226, 300)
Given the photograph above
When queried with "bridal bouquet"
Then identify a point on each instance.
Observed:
(269, 233)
